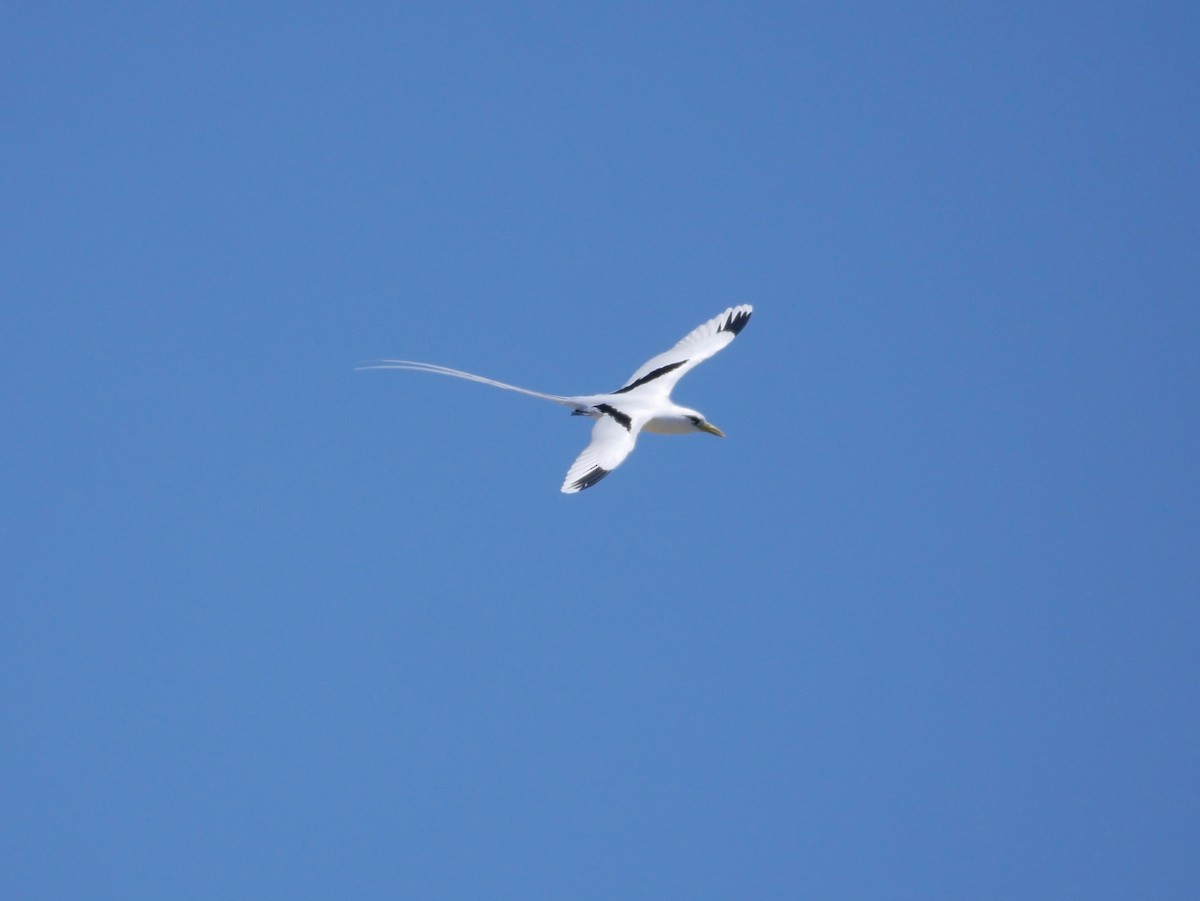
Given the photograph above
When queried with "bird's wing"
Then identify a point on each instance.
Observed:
(613, 438)
(659, 374)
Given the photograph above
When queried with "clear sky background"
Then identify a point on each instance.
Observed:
(924, 626)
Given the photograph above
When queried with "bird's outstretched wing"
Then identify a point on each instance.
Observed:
(613, 438)
(659, 374)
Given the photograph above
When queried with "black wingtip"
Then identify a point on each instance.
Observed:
(736, 322)
(590, 478)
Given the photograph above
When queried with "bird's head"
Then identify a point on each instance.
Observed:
(703, 425)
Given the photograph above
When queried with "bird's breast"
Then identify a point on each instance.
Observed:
(669, 425)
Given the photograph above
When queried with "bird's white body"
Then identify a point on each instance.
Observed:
(642, 404)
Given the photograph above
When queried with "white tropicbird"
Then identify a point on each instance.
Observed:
(643, 403)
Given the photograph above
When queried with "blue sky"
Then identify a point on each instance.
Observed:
(924, 626)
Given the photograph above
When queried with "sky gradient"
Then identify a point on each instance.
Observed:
(925, 624)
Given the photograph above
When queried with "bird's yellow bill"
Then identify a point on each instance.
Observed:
(711, 429)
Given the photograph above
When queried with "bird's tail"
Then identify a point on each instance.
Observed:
(414, 366)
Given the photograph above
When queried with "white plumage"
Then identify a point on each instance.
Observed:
(643, 403)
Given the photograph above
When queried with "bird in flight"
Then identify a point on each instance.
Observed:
(643, 403)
